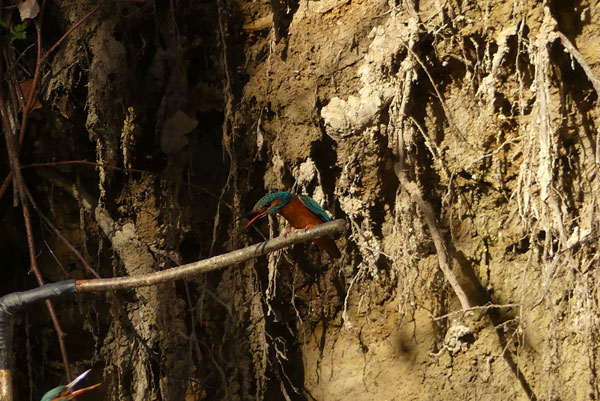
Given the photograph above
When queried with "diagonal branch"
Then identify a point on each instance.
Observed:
(70, 30)
(572, 50)
(210, 264)
(11, 145)
(436, 235)
(57, 232)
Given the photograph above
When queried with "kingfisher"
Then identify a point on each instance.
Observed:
(300, 211)
(64, 393)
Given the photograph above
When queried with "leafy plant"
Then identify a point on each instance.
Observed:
(18, 32)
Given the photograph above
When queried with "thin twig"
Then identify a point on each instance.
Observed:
(32, 91)
(57, 232)
(127, 170)
(6, 183)
(438, 93)
(70, 30)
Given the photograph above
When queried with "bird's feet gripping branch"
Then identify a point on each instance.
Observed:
(300, 211)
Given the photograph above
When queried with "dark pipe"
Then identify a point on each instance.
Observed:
(11, 303)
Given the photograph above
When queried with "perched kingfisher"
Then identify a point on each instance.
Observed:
(300, 211)
(64, 393)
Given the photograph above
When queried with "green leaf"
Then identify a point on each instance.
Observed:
(19, 33)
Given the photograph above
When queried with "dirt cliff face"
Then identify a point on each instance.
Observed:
(458, 140)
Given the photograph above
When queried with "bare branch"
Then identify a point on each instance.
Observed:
(214, 263)
(436, 235)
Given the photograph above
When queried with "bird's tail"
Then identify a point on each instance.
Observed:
(329, 245)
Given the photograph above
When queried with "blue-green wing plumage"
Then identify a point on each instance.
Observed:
(285, 196)
(314, 207)
(52, 394)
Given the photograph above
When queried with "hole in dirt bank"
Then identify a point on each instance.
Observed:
(190, 248)
(525, 244)
(443, 71)
(520, 247)
(573, 78)
(472, 51)
(283, 13)
(504, 107)
(431, 118)
(324, 155)
(378, 215)
(570, 16)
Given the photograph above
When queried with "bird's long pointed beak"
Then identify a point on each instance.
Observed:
(78, 379)
(253, 215)
(77, 393)
(248, 215)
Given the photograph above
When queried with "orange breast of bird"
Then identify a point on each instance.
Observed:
(299, 216)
